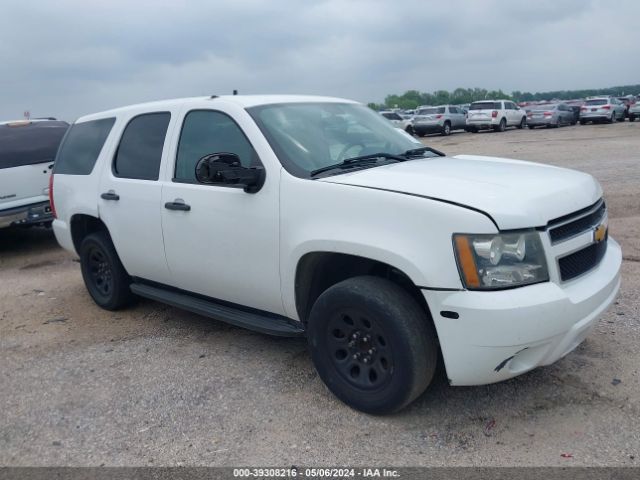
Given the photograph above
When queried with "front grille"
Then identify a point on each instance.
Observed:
(582, 261)
(578, 226)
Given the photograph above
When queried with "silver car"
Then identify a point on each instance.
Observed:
(550, 115)
(442, 119)
(602, 109)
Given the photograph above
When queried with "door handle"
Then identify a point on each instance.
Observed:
(110, 195)
(177, 204)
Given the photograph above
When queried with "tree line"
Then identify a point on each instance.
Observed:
(414, 98)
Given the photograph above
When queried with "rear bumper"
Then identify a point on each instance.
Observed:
(595, 116)
(539, 122)
(32, 214)
(428, 127)
(501, 334)
(482, 124)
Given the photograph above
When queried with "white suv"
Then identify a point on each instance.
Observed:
(27, 150)
(496, 115)
(296, 215)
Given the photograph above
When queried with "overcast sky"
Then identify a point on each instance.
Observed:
(69, 58)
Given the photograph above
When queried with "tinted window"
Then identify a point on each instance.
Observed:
(600, 101)
(485, 106)
(431, 111)
(25, 143)
(140, 150)
(81, 146)
(392, 116)
(205, 132)
(453, 110)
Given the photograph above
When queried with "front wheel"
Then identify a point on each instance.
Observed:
(522, 123)
(104, 276)
(372, 344)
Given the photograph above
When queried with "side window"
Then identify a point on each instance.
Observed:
(205, 132)
(81, 147)
(140, 150)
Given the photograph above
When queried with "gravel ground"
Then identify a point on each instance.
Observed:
(154, 385)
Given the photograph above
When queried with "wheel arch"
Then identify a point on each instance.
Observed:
(317, 271)
(82, 225)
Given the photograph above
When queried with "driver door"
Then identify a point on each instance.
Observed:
(220, 241)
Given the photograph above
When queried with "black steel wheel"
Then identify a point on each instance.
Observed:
(104, 276)
(372, 344)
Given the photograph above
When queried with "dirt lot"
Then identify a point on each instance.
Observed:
(154, 385)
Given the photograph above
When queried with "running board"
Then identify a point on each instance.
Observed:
(264, 323)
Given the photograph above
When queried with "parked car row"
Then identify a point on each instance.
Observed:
(498, 115)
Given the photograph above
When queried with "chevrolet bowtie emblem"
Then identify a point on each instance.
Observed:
(600, 233)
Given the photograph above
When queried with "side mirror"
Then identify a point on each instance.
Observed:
(226, 169)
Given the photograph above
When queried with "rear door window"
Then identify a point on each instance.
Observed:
(81, 147)
(140, 150)
(485, 106)
(30, 143)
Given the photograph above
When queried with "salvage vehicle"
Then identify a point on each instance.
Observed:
(442, 119)
(602, 109)
(634, 111)
(314, 216)
(496, 115)
(550, 115)
(27, 151)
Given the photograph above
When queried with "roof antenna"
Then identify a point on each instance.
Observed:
(235, 92)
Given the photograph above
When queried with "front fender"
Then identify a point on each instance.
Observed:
(412, 234)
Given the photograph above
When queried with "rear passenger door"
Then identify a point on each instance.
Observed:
(457, 117)
(130, 195)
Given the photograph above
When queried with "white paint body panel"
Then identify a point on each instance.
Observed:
(245, 248)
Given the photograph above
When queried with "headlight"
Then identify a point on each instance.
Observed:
(489, 262)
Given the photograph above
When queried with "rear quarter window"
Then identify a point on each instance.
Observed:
(30, 143)
(81, 147)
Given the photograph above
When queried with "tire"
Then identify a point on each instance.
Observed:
(583, 122)
(531, 127)
(632, 118)
(471, 129)
(363, 312)
(104, 276)
(502, 126)
(522, 123)
(419, 133)
(613, 118)
(409, 130)
(446, 129)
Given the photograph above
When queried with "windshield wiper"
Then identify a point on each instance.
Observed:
(415, 152)
(355, 161)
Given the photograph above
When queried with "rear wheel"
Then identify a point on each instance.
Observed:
(531, 127)
(502, 126)
(522, 123)
(613, 118)
(446, 129)
(632, 118)
(372, 344)
(104, 276)
(583, 122)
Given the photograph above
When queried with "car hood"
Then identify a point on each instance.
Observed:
(514, 193)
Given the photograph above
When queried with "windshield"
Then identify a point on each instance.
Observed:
(485, 106)
(431, 111)
(309, 136)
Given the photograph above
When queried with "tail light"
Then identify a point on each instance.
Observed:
(438, 116)
(529, 114)
(53, 208)
(548, 114)
(584, 109)
(606, 107)
(494, 114)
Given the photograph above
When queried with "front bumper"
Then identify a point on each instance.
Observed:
(34, 214)
(501, 334)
